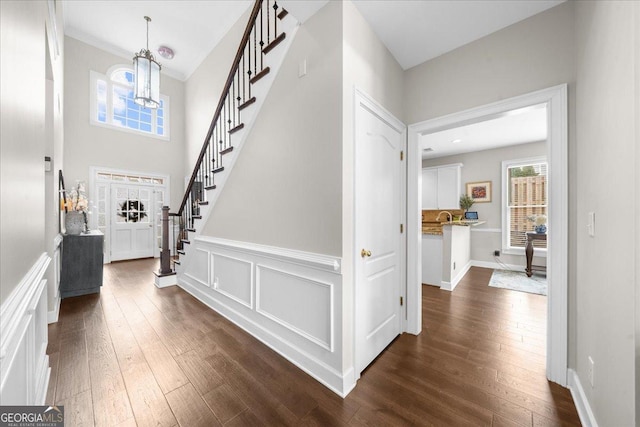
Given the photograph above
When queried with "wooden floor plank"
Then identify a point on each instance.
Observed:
(190, 409)
(138, 355)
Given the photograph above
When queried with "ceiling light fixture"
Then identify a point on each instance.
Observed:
(166, 52)
(147, 71)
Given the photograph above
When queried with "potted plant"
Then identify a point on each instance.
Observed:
(466, 202)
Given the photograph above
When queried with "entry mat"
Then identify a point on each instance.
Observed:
(518, 281)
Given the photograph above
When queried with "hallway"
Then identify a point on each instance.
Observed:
(138, 355)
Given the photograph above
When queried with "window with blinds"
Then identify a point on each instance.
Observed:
(526, 199)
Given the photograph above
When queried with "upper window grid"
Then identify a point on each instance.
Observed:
(113, 105)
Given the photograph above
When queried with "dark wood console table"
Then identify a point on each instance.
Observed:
(82, 260)
(531, 236)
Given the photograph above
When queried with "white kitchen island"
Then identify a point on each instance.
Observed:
(446, 257)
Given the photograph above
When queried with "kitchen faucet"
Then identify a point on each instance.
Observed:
(448, 213)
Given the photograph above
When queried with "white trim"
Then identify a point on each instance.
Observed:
(452, 165)
(580, 399)
(52, 315)
(504, 208)
(94, 76)
(557, 158)
(164, 281)
(486, 230)
(308, 259)
(94, 180)
(24, 364)
(496, 266)
(322, 360)
(450, 286)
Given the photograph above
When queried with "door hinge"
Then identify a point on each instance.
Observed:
(401, 228)
(401, 301)
(401, 155)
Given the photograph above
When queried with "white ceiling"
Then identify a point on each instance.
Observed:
(190, 27)
(512, 128)
(414, 31)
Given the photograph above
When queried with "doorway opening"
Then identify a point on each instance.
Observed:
(555, 100)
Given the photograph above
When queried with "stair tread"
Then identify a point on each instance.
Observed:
(191, 230)
(175, 261)
(227, 150)
(236, 129)
(247, 103)
(220, 169)
(282, 14)
(203, 203)
(268, 48)
(186, 241)
(211, 187)
(260, 75)
(197, 217)
(181, 252)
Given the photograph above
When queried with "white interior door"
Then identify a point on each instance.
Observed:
(379, 141)
(132, 231)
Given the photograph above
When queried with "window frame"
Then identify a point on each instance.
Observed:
(93, 107)
(506, 215)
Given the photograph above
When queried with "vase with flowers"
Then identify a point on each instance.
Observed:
(76, 205)
(539, 223)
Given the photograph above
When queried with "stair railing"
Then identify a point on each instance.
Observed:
(260, 36)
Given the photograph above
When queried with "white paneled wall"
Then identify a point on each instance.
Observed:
(24, 364)
(290, 300)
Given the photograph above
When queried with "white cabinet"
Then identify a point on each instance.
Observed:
(441, 187)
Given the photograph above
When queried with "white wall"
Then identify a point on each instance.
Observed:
(87, 145)
(606, 122)
(22, 151)
(533, 54)
(285, 189)
(486, 165)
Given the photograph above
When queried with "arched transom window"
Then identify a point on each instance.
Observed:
(112, 105)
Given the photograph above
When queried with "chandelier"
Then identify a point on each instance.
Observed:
(147, 72)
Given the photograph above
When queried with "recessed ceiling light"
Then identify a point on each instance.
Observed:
(455, 141)
(166, 52)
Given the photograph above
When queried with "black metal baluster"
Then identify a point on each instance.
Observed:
(268, 33)
(261, 41)
(275, 19)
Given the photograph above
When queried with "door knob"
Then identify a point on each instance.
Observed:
(364, 253)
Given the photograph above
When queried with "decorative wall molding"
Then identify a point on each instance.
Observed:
(323, 262)
(24, 364)
(52, 315)
(485, 230)
(580, 399)
(290, 300)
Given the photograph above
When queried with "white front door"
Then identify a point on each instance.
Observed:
(132, 231)
(378, 213)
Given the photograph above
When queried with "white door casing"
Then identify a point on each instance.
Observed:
(132, 230)
(379, 200)
(557, 271)
(102, 214)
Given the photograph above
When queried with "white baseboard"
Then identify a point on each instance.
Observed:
(450, 286)
(496, 266)
(290, 300)
(24, 364)
(52, 316)
(163, 281)
(580, 399)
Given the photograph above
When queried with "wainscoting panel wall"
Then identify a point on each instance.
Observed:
(290, 300)
(24, 364)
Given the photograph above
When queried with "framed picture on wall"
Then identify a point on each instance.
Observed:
(480, 192)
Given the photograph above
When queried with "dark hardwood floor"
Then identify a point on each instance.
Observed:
(137, 355)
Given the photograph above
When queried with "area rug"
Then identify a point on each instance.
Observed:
(518, 281)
